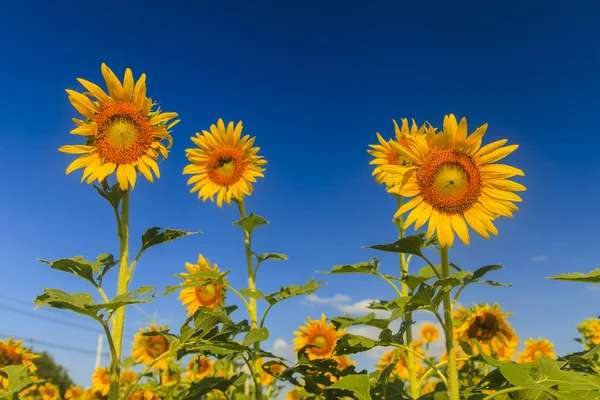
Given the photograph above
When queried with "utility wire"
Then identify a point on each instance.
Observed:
(58, 346)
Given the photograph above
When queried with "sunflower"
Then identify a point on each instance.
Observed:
(74, 393)
(400, 357)
(458, 353)
(48, 391)
(11, 353)
(266, 378)
(429, 333)
(343, 362)
(454, 182)
(101, 381)
(489, 326)
(294, 394)
(146, 349)
(320, 334)
(127, 378)
(123, 133)
(534, 349)
(590, 330)
(210, 295)
(199, 367)
(429, 387)
(224, 164)
(143, 394)
(385, 154)
(171, 374)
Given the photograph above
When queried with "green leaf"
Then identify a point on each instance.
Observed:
(346, 321)
(358, 384)
(351, 344)
(480, 272)
(140, 295)
(368, 267)
(407, 245)
(83, 268)
(591, 277)
(256, 335)
(57, 298)
(256, 294)
(270, 256)
(112, 194)
(251, 222)
(200, 388)
(422, 299)
(156, 235)
(287, 292)
(18, 378)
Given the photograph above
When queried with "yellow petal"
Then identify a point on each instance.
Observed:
(461, 133)
(409, 205)
(122, 177)
(505, 184)
(112, 83)
(501, 194)
(143, 168)
(127, 86)
(152, 164)
(497, 155)
(473, 142)
(139, 92)
(131, 174)
(424, 215)
(95, 90)
(488, 148)
(444, 230)
(496, 171)
(76, 149)
(81, 162)
(433, 220)
(460, 227)
(163, 117)
(85, 130)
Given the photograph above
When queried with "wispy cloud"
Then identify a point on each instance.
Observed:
(539, 258)
(338, 298)
(283, 349)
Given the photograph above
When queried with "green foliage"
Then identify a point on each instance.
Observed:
(92, 272)
(287, 292)
(18, 379)
(357, 384)
(156, 235)
(407, 245)
(208, 384)
(591, 277)
(251, 222)
(367, 267)
(48, 369)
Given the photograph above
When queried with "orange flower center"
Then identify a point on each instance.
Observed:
(450, 181)
(484, 327)
(157, 345)
(395, 158)
(226, 166)
(124, 135)
(322, 342)
(209, 294)
(538, 352)
(202, 365)
(104, 378)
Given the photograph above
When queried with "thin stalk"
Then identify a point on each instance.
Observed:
(430, 371)
(253, 307)
(504, 391)
(407, 318)
(146, 369)
(122, 282)
(114, 367)
(448, 330)
(398, 292)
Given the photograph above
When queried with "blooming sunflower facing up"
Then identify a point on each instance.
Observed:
(210, 295)
(385, 154)
(534, 349)
(101, 381)
(199, 367)
(320, 334)
(48, 391)
(123, 133)
(454, 182)
(146, 349)
(429, 333)
(74, 393)
(489, 326)
(11, 353)
(224, 164)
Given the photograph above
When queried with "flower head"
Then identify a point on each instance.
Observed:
(268, 374)
(11, 353)
(48, 391)
(101, 381)
(487, 324)
(534, 349)
(144, 394)
(429, 333)
(211, 295)
(199, 367)
(400, 358)
(454, 182)
(590, 330)
(124, 135)
(224, 164)
(320, 334)
(147, 348)
(74, 393)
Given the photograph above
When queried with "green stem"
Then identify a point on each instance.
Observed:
(430, 371)
(241, 297)
(448, 324)
(253, 307)
(391, 284)
(262, 321)
(504, 391)
(139, 376)
(407, 318)
(123, 280)
(115, 373)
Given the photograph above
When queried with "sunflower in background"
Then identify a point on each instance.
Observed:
(590, 331)
(536, 348)
(454, 182)
(74, 393)
(124, 135)
(487, 324)
(146, 349)
(385, 154)
(318, 333)
(144, 394)
(101, 381)
(400, 357)
(268, 378)
(48, 391)
(343, 362)
(429, 333)
(225, 164)
(459, 354)
(11, 353)
(429, 387)
(211, 295)
(199, 367)
(127, 378)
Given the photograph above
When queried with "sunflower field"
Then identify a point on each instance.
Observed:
(450, 184)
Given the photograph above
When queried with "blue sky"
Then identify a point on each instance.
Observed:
(313, 82)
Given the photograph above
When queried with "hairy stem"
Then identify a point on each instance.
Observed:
(448, 330)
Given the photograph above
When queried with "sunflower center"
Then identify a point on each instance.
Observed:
(450, 181)
(538, 353)
(105, 379)
(124, 135)
(157, 345)
(320, 341)
(485, 327)
(207, 294)
(226, 166)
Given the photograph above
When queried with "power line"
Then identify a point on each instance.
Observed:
(58, 346)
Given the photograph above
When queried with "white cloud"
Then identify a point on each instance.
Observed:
(283, 349)
(539, 258)
(338, 298)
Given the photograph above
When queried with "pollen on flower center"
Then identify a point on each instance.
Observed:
(206, 292)
(449, 180)
(320, 341)
(121, 132)
(157, 345)
(226, 166)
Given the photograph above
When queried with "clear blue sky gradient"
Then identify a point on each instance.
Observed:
(313, 81)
